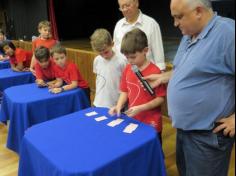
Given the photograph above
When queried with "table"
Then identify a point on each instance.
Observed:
(9, 78)
(27, 105)
(4, 64)
(76, 145)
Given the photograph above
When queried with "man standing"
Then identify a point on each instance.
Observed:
(201, 89)
(134, 18)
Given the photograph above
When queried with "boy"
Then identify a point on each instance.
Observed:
(2, 39)
(44, 68)
(45, 39)
(66, 71)
(142, 106)
(108, 67)
(19, 59)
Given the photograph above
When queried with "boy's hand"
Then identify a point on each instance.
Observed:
(55, 90)
(26, 69)
(41, 83)
(115, 111)
(133, 111)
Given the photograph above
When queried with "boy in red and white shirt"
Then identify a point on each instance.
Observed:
(142, 106)
(66, 72)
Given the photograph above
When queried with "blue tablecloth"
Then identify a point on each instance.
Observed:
(76, 145)
(26, 105)
(9, 78)
(4, 64)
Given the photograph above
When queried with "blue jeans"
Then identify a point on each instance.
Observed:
(202, 153)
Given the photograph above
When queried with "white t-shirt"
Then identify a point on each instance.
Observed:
(108, 80)
(153, 32)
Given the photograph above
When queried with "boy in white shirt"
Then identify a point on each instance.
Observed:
(108, 66)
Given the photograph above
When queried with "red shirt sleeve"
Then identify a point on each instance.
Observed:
(21, 55)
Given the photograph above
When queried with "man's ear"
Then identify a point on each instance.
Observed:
(199, 12)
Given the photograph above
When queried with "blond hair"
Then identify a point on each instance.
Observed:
(101, 39)
(58, 48)
(43, 24)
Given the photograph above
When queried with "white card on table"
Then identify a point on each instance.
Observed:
(115, 122)
(99, 119)
(130, 128)
(91, 114)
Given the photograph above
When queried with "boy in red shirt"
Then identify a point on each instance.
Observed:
(45, 39)
(66, 71)
(142, 106)
(19, 59)
(44, 68)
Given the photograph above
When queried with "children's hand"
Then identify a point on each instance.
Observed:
(41, 83)
(26, 70)
(133, 111)
(55, 90)
(115, 111)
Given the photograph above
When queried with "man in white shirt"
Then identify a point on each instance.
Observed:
(134, 18)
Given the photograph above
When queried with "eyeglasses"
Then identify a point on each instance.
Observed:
(126, 6)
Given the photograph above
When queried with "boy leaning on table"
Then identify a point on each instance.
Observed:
(44, 67)
(67, 74)
(20, 59)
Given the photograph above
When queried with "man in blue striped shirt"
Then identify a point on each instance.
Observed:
(201, 89)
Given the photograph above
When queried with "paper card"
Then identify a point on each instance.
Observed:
(130, 128)
(115, 122)
(99, 119)
(90, 114)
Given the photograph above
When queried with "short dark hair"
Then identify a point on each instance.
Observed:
(42, 53)
(7, 43)
(58, 49)
(134, 41)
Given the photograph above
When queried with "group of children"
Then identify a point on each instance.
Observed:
(117, 86)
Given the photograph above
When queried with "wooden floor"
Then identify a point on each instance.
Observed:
(9, 160)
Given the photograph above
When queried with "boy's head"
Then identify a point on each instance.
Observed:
(8, 48)
(2, 35)
(42, 55)
(101, 42)
(44, 28)
(58, 54)
(135, 47)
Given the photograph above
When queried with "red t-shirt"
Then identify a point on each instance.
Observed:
(49, 43)
(21, 56)
(70, 73)
(46, 74)
(138, 96)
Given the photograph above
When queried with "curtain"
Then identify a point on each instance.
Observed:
(52, 19)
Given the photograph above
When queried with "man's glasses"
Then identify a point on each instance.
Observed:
(126, 6)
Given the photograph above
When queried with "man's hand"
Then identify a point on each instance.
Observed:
(157, 79)
(228, 126)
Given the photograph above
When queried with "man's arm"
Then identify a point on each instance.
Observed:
(157, 79)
